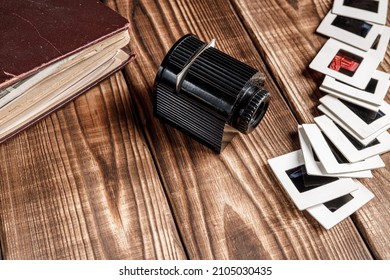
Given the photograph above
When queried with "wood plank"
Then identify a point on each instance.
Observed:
(81, 184)
(227, 206)
(284, 33)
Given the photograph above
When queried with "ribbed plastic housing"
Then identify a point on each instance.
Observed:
(214, 89)
(219, 78)
(191, 118)
(184, 51)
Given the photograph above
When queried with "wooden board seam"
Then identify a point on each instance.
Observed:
(365, 241)
(148, 142)
(263, 58)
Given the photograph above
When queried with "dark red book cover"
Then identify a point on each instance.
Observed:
(34, 34)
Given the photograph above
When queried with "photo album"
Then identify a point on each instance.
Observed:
(51, 52)
(345, 143)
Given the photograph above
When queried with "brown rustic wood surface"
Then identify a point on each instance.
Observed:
(284, 32)
(227, 206)
(81, 184)
(103, 179)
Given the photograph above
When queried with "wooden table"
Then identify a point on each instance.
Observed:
(103, 179)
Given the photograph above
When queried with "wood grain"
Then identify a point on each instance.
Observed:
(81, 184)
(284, 33)
(227, 206)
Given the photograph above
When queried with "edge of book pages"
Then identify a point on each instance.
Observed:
(26, 102)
